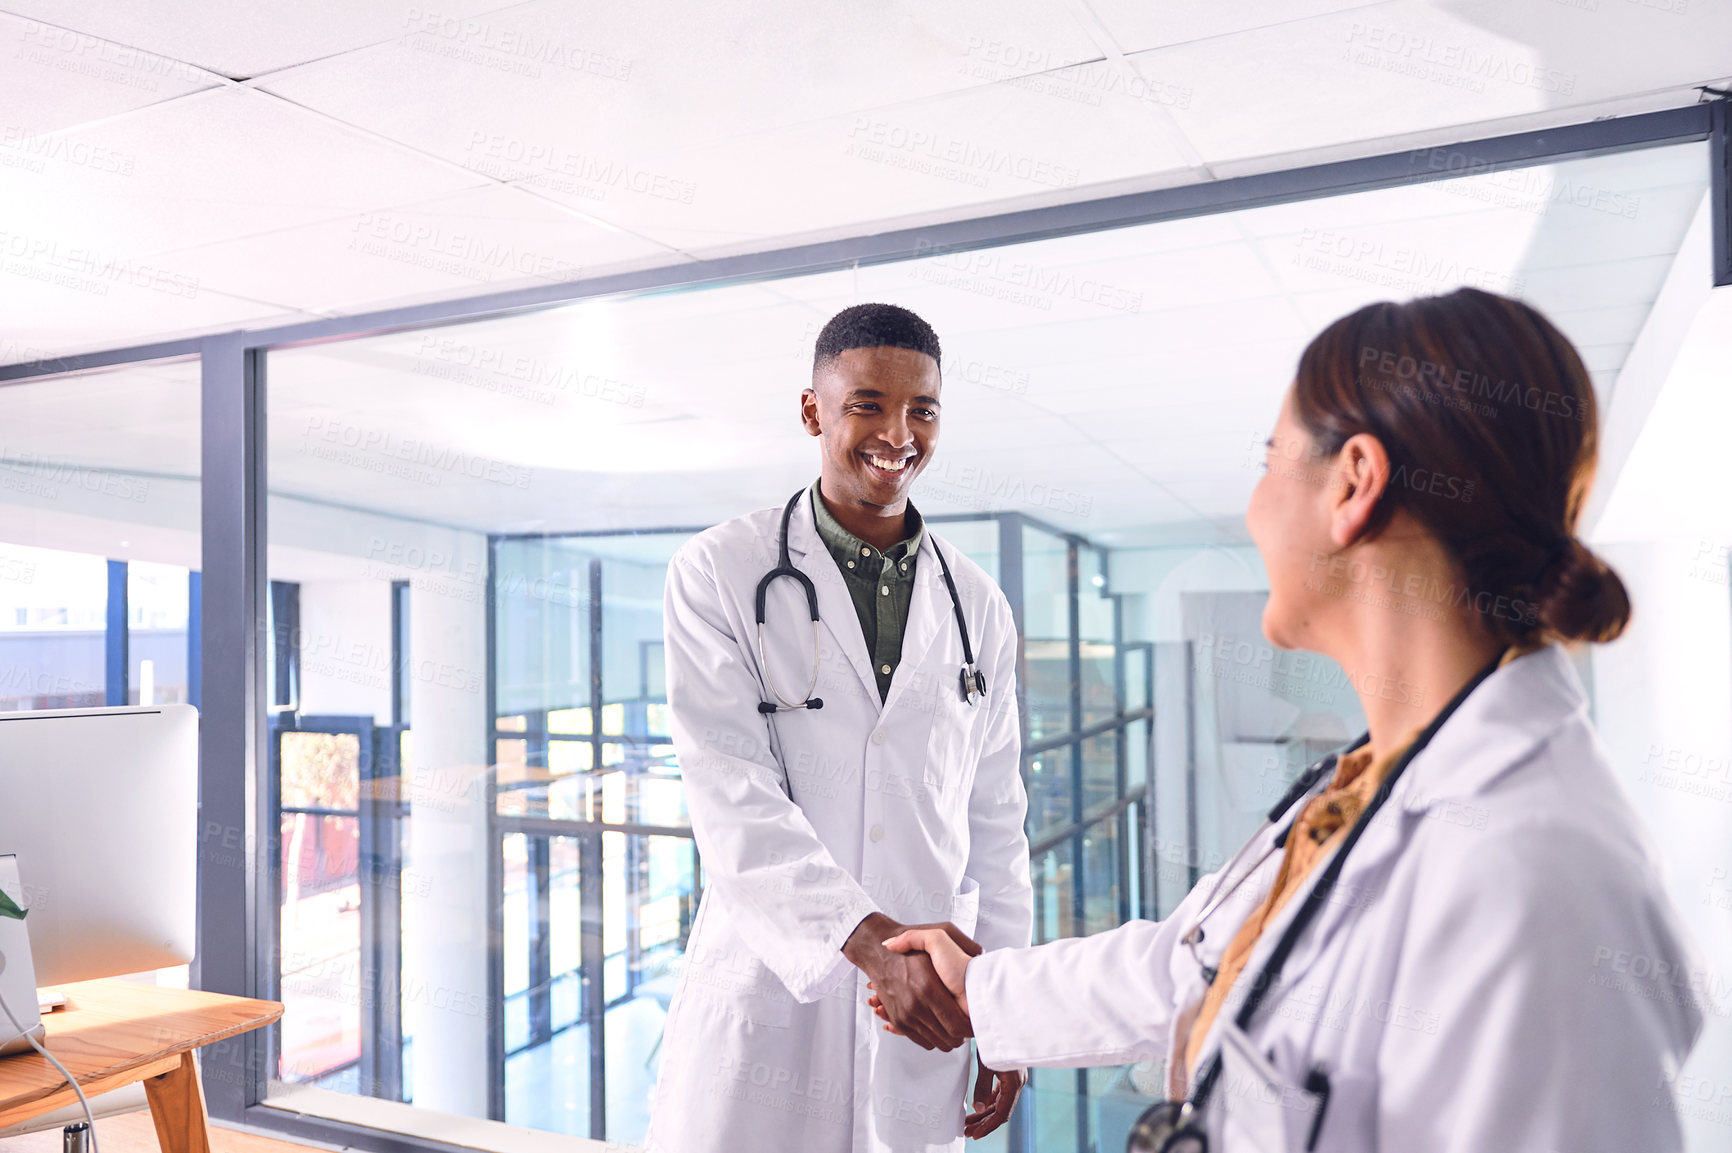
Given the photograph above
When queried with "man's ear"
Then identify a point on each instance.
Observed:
(1358, 479)
(809, 412)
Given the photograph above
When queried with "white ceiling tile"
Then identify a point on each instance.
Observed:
(1612, 225)
(1605, 49)
(242, 40)
(1405, 67)
(142, 417)
(215, 166)
(477, 240)
(63, 298)
(1135, 368)
(1413, 258)
(923, 157)
(1618, 325)
(1603, 356)
(1136, 25)
(1596, 286)
(663, 156)
(669, 70)
(55, 77)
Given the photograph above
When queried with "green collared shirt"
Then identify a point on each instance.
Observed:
(880, 583)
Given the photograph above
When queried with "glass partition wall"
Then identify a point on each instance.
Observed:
(99, 542)
(482, 872)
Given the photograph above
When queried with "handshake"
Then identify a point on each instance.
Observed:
(916, 974)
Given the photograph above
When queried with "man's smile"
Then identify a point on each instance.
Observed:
(887, 468)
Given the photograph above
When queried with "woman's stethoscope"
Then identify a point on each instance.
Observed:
(1176, 1126)
(973, 681)
(1193, 936)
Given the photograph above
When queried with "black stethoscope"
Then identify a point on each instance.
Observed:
(1176, 1126)
(973, 681)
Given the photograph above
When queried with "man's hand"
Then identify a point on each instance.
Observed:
(908, 991)
(994, 1095)
(950, 950)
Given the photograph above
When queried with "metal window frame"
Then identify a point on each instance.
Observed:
(237, 935)
(116, 637)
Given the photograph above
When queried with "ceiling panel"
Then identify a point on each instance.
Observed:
(1139, 367)
(712, 130)
(56, 77)
(1606, 285)
(664, 69)
(477, 240)
(241, 40)
(63, 296)
(1136, 26)
(697, 174)
(1400, 69)
(218, 165)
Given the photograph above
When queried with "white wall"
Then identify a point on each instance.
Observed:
(345, 562)
(1663, 692)
(346, 648)
(1663, 706)
(1157, 576)
(445, 1003)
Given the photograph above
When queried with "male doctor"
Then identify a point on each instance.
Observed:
(825, 828)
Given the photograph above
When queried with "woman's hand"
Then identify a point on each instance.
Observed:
(908, 992)
(948, 958)
(995, 1093)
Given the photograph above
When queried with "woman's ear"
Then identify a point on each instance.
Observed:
(1358, 479)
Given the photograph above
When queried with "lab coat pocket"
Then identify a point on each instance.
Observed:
(1349, 1119)
(950, 751)
(720, 969)
(965, 906)
(1262, 1112)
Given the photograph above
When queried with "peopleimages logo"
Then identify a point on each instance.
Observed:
(382, 451)
(1003, 489)
(964, 155)
(1465, 382)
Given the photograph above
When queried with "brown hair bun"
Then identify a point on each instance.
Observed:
(1492, 431)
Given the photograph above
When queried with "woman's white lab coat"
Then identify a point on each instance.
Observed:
(1498, 968)
(914, 808)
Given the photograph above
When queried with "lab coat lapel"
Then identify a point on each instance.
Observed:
(835, 606)
(928, 611)
(1517, 708)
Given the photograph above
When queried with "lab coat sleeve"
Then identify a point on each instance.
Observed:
(1543, 1002)
(789, 898)
(1109, 999)
(997, 808)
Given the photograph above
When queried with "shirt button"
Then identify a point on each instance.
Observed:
(876, 832)
(864, 551)
(904, 566)
(850, 564)
(885, 589)
(885, 669)
(878, 737)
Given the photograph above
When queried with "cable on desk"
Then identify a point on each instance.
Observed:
(89, 1120)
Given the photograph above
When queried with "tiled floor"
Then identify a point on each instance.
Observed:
(548, 1087)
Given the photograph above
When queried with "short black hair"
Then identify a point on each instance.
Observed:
(874, 326)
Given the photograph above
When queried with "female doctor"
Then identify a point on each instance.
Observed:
(1452, 937)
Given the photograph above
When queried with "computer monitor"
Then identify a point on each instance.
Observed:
(101, 807)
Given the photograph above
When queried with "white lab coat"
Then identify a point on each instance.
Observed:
(1498, 969)
(914, 808)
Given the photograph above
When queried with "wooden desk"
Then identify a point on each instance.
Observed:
(113, 1033)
